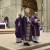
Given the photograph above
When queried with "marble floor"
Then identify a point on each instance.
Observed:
(9, 41)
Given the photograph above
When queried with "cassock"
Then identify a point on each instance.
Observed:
(18, 29)
(26, 30)
(35, 28)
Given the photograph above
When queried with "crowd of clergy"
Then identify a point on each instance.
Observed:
(27, 28)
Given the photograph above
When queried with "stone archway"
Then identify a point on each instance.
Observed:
(31, 4)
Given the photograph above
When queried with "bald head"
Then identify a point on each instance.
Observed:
(35, 13)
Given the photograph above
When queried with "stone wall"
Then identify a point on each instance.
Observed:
(46, 14)
(10, 8)
(39, 3)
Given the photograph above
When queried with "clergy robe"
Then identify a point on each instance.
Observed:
(26, 30)
(35, 26)
(18, 28)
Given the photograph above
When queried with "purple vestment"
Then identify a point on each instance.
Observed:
(18, 28)
(35, 26)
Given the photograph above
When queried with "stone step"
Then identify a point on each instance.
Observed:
(36, 47)
(43, 48)
(3, 48)
(7, 30)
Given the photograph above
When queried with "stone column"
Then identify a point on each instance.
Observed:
(46, 14)
(19, 7)
(39, 3)
(0, 10)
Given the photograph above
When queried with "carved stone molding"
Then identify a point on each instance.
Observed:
(31, 4)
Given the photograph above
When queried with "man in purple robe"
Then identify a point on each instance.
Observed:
(19, 29)
(26, 30)
(35, 28)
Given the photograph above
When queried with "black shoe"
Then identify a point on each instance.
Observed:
(19, 42)
(26, 44)
(35, 42)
